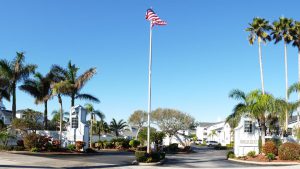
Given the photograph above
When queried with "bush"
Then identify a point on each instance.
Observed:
(230, 154)
(34, 149)
(173, 147)
(289, 151)
(187, 149)
(251, 154)
(108, 145)
(162, 155)
(141, 156)
(20, 143)
(18, 148)
(155, 156)
(270, 147)
(120, 143)
(270, 156)
(71, 147)
(5, 148)
(90, 150)
(33, 140)
(134, 143)
(79, 145)
(219, 147)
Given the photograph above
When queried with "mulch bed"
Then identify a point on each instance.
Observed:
(262, 158)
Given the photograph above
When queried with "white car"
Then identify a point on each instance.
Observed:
(212, 143)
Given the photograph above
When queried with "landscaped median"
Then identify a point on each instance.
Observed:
(272, 154)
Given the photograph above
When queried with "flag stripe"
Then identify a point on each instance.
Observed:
(153, 17)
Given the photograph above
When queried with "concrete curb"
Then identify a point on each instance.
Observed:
(153, 164)
(265, 163)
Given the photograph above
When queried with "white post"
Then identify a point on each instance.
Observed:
(149, 89)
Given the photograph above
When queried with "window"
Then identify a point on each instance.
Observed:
(74, 122)
(248, 126)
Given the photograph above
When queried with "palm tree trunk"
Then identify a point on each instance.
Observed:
(261, 66)
(263, 131)
(72, 100)
(14, 104)
(60, 119)
(46, 115)
(91, 129)
(298, 109)
(286, 85)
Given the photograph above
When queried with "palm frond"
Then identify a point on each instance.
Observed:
(87, 97)
(84, 78)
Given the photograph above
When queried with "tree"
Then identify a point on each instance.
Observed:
(15, 71)
(4, 89)
(139, 119)
(40, 89)
(296, 43)
(142, 136)
(282, 30)
(258, 31)
(101, 127)
(93, 113)
(56, 118)
(256, 105)
(75, 82)
(116, 127)
(171, 121)
(212, 134)
(31, 121)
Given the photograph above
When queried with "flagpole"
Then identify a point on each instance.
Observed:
(149, 89)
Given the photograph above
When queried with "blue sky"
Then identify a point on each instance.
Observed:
(198, 57)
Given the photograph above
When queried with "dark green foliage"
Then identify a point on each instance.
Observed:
(219, 147)
(251, 154)
(173, 147)
(289, 151)
(90, 150)
(141, 156)
(71, 147)
(120, 143)
(271, 156)
(230, 154)
(34, 149)
(134, 143)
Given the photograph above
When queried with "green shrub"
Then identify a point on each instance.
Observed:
(251, 154)
(271, 156)
(230, 154)
(108, 145)
(162, 155)
(18, 148)
(134, 143)
(99, 144)
(71, 147)
(141, 156)
(90, 150)
(155, 156)
(173, 147)
(289, 151)
(219, 147)
(277, 142)
(5, 148)
(270, 147)
(34, 149)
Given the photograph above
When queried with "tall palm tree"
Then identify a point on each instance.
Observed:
(296, 43)
(93, 113)
(101, 127)
(258, 31)
(40, 89)
(282, 30)
(117, 126)
(56, 117)
(76, 82)
(16, 71)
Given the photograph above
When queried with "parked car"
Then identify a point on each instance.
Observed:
(211, 143)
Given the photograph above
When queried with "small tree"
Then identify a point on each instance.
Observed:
(116, 127)
(139, 119)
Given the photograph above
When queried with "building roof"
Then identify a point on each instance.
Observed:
(208, 124)
(7, 113)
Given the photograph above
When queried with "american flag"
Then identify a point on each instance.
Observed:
(155, 20)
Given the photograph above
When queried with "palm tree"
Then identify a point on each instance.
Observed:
(4, 89)
(15, 71)
(258, 31)
(40, 89)
(212, 134)
(56, 117)
(93, 113)
(117, 126)
(101, 127)
(255, 104)
(282, 30)
(76, 82)
(296, 43)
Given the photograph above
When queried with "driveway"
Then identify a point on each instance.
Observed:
(203, 158)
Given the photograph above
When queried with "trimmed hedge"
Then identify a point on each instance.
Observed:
(134, 143)
(289, 151)
(230, 154)
(143, 156)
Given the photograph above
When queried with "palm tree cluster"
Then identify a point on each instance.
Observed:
(286, 30)
(57, 82)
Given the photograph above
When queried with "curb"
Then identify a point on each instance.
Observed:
(153, 164)
(265, 163)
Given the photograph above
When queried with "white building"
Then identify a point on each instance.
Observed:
(246, 136)
(181, 138)
(219, 131)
